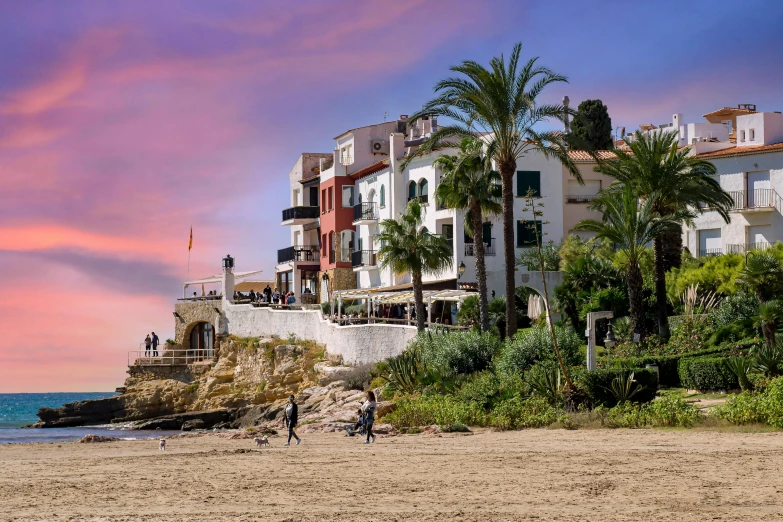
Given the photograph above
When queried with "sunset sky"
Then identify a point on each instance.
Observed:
(123, 123)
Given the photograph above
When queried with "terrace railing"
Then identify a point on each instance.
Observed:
(580, 198)
(166, 357)
(365, 212)
(300, 213)
(298, 253)
(364, 258)
(489, 250)
(710, 252)
(757, 199)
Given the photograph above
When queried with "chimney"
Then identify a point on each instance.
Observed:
(566, 101)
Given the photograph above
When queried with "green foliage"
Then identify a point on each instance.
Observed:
(550, 253)
(712, 273)
(443, 410)
(357, 378)
(735, 308)
(535, 344)
(518, 413)
(591, 128)
(624, 387)
(192, 387)
(597, 384)
(688, 336)
(706, 373)
(622, 329)
(456, 353)
(756, 407)
(769, 358)
(488, 389)
(741, 367)
(731, 332)
(404, 371)
(457, 427)
(763, 275)
(668, 411)
(326, 308)
(545, 381)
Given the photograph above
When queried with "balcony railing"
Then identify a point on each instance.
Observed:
(710, 252)
(757, 199)
(365, 212)
(300, 213)
(580, 198)
(364, 258)
(489, 250)
(424, 198)
(748, 247)
(298, 253)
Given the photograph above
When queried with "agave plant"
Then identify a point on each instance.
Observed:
(741, 366)
(624, 387)
(545, 381)
(404, 370)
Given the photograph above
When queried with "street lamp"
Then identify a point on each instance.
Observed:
(610, 340)
(460, 271)
(228, 263)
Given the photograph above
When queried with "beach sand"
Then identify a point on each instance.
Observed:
(525, 475)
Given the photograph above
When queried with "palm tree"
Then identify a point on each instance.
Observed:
(406, 246)
(498, 106)
(763, 275)
(468, 183)
(654, 166)
(630, 224)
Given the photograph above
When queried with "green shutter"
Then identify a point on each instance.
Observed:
(526, 236)
(486, 231)
(528, 179)
(520, 233)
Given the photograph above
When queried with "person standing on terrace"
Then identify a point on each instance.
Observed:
(147, 343)
(155, 343)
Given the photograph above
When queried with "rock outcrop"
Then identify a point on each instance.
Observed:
(82, 413)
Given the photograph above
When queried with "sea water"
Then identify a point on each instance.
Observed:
(19, 409)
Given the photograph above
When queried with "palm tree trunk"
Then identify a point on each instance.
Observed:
(671, 249)
(635, 289)
(660, 288)
(507, 182)
(768, 331)
(481, 268)
(418, 298)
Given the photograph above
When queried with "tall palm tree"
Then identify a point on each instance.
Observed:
(498, 105)
(469, 183)
(406, 246)
(763, 275)
(654, 166)
(630, 224)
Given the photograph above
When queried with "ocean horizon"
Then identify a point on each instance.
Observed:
(20, 409)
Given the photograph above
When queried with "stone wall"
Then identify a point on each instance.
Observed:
(356, 344)
(192, 313)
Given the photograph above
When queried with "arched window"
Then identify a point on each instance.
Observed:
(411, 190)
(371, 197)
(383, 196)
(424, 230)
(423, 191)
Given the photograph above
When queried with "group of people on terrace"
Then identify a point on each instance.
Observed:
(269, 296)
(151, 345)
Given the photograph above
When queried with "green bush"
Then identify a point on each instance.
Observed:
(743, 408)
(456, 353)
(486, 388)
(733, 332)
(739, 307)
(535, 344)
(598, 384)
(772, 403)
(668, 411)
(706, 373)
(457, 427)
(517, 412)
(443, 410)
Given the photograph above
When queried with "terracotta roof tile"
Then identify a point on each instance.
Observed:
(582, 156)
(370, 169)
(743, 151)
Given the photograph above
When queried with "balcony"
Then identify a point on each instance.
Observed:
(298, 253)
(580, 198)
(711, 252)
(364, 260)
(748, 247)
(365, 213)
(758, 200)
(300, 215)
(423, 199)
(489, 250)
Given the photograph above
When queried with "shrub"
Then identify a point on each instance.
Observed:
(517, 412)
(326, 308)
(403, 371)
(456, 353)
(706, 373)
(443, 410)
(772, 403)
(769, 359)
(357, 378)
(545, 380)
(741, 366)
(743, 408)
(733, 332)
(486, 388)
(457, 427)
(739, 307)
(668, 411)
(597, 384)
(535, 344)
(688, 336)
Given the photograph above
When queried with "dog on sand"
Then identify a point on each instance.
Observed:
(261, 441)
(162, 444)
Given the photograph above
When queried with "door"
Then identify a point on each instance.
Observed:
(758, 237)
(710, 242)
(314, 197)
(758, 189)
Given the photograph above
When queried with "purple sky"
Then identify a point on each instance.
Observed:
(124, 123)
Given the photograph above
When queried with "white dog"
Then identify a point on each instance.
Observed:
(162, 444)
(261, 441)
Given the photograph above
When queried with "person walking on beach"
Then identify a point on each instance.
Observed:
(291, 419)
(368, 408)
(147, 343)
(155, 343)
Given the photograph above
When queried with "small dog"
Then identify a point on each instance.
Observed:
(162, 444)
(261, 441)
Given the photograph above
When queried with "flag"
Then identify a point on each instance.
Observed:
(190, 245)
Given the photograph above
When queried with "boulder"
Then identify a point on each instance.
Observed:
(194, 420)
(99, 411)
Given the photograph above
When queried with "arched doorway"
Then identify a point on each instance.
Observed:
(202, 341)
(325, 296)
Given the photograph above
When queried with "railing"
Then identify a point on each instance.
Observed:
(300, 213)
(489, 250)
(216, 297)
(756, 199)
(424, 198)
(580, 198)
(710, 252)
(364, 258)
(346, 159)
(365, 212)
(168, 357)
(748, 247)
(298, 253)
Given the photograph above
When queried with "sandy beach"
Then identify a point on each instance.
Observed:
(525, 475)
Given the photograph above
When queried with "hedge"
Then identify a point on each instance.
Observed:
(598, 384)
(667, 364)
(706, 373)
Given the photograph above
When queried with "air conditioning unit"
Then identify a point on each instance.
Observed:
(380, 147)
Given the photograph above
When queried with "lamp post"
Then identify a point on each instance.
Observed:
(610, 340)
(228, 263)
(460, 272)
(592, 317)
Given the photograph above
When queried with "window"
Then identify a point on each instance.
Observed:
(486, 233)
(323, 245)
(331, 198)
(313, 196)
(528, 179)
(411, 190)
(347, 197)
(742, 135)
(323, 200)
(752, 134)
(526, 235)
(423, 187)
(383, 196)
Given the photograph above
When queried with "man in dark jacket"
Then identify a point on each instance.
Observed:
(155, 343)
(291, 417)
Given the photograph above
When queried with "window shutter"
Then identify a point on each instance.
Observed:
(486, 231)
(520, 233)
(528, 179)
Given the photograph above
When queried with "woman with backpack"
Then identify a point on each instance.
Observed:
(368, 408)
